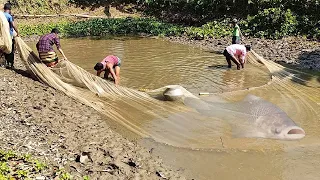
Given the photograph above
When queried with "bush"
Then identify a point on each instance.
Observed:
(128, 26)
(209, 30)
(103, 27)
(272, 23)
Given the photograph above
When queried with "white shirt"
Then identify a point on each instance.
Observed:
(238, 51)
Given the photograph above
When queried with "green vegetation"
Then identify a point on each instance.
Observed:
(209, 30)
(283, 23)
(14, 166)
(102, 27)
(196, 19)
(40, 29)
(271, 23)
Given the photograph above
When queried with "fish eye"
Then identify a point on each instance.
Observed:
(277, 131)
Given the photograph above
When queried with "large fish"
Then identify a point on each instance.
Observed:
(251, 117)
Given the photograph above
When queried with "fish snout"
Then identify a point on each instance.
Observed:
(293, 132)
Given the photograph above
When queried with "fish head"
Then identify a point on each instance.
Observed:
(279, 126)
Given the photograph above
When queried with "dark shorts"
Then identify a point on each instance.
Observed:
(226, 54)
(235, 40)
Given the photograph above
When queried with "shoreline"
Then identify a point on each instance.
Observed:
(43, 122)
(297, 52)
(60, 131)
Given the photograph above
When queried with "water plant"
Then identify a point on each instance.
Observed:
(283, 23)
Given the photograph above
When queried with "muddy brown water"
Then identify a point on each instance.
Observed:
(212, 152)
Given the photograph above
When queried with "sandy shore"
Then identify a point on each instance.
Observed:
(39, 120)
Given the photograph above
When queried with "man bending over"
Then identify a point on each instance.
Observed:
(237, 54)
(111, 65)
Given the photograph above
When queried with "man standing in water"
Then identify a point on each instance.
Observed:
(236, 32)
(7, 13)
(236, 53)
(45, 48)
(111, 65)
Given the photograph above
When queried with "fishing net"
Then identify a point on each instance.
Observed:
(103, 95)
(144, 113)
(5, 37)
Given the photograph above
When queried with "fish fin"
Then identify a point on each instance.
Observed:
(251, 97)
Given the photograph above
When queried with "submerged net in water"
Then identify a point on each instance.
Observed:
(141, 112)
(103, 95)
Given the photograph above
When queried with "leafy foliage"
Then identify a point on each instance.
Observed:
(209, 30)
(13, 166)
(272, 23)
(102, 27)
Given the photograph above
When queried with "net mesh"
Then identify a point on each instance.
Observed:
(116, 101)
(5, 37)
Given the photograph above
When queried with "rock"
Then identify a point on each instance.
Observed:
(83, 158)
(40, 178)
(161, 175)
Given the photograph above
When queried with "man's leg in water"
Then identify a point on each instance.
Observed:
(229, 62)
(227, 55)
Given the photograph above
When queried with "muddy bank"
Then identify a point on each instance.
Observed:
(302, 53)
(39, 120)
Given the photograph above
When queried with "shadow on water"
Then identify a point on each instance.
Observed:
(218, 66)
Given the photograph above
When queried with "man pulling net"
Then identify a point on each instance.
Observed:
(45, 48)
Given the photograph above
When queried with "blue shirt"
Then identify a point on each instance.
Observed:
(10, 20)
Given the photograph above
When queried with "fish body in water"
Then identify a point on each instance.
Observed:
(251, 117)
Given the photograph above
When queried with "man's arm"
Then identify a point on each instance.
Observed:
(99, 72)
(60, 50)
(57, 42)
(240, 33)
(241, 58)
(15, 27)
